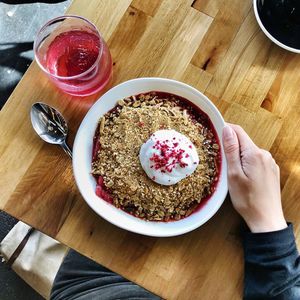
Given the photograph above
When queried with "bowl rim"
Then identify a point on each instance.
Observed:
(268, 34)
(184, 229)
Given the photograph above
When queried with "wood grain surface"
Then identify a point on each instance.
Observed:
(215, 46)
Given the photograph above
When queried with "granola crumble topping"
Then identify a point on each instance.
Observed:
(120, 135)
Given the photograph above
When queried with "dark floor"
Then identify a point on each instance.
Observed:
(12, 287)
(18, 25)
(19, 22)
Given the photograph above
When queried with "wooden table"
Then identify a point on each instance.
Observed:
(213, 45)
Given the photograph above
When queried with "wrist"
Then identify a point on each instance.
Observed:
(267, 225)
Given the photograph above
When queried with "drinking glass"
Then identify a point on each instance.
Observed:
(73, 54)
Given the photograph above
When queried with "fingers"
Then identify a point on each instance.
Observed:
(278, 172)
(246, 143)
(244, 139)
(232, 151)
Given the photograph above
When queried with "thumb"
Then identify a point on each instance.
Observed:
(232, 149)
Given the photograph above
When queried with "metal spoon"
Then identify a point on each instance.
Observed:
(50, 125)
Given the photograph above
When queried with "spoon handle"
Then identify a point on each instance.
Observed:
(67, 149)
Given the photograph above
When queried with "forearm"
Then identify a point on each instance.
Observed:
(272, 265)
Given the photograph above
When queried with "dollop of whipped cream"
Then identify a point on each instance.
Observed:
(168, 157)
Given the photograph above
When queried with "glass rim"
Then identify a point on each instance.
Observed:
(35, 47)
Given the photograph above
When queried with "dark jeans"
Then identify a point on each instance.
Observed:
(82, 278)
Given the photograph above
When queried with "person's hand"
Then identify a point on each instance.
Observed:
(254, 181)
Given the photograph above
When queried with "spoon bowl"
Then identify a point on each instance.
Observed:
(50, 125)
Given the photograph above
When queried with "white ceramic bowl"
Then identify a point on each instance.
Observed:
(269, 35)
(82, 156)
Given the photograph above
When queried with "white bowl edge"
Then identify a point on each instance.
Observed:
(266, 32)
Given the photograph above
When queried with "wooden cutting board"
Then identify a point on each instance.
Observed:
(215, 46)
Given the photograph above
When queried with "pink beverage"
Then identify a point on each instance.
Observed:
(78, 60)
